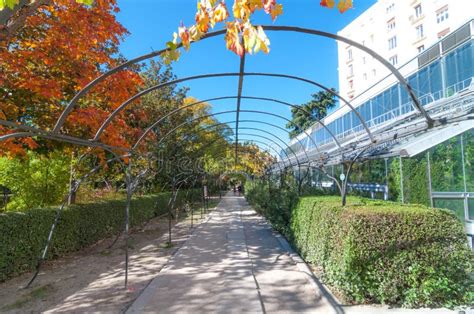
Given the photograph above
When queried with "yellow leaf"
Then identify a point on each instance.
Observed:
(344, 5)
(276, 10)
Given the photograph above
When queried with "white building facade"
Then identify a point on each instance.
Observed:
(398, 30)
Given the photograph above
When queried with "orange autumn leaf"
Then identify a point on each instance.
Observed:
(216, 12)
(42, 69)
(344, 5)
(327, 3)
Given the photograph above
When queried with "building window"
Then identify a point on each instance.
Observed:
(394, 60)
(419, 31)
(418, 11)
(392, 43)
(365, 76)
(351, 70)
(391, 25)
(390, 8)
(442, 15)
(421, 48)
(349, 54)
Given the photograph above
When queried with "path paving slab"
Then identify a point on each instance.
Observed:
(235, 263)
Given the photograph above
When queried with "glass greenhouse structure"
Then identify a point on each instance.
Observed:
(437, 170)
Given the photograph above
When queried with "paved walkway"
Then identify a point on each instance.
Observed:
(233, 263)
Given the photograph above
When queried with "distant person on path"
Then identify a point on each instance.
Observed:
(240, 189)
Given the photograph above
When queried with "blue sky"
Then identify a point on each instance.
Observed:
(151, 24)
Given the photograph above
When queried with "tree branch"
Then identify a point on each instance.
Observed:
(11, 21)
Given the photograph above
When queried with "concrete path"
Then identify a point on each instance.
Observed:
(233, 263)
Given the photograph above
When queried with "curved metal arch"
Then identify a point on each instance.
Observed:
(222, 153)
(31, 131)
(209, 144)
(260, 112)
(215, 114)
(369, 51)
(260, 130)
(276, 143)
(190, 78)
(266, 145)
(156, 123)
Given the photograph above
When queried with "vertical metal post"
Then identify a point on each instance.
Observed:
(72, 196)
(202, 197)
(466, 202)
(128, 176)
(220, 185)
(428, 169)
(401, 180)
(443, 76)
(463, 164)
(385, 196)
(400, 100)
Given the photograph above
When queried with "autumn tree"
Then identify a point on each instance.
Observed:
(51, 58)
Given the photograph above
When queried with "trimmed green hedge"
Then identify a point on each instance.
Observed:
(23, 234)
(382, 252)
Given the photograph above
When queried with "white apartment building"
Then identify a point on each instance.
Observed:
(398, 30)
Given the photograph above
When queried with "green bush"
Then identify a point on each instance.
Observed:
(37, 180)
(273, 202)
(382, 252)
(23, 234)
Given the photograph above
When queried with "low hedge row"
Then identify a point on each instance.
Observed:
(23, 234)
(383, 252)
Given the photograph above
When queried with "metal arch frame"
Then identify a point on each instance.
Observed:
(55, 134)
(31, 131)
(291, 164)
(172, 131)
(238, 97)
(156, 123)
(225, 112)
(260, 130)
(398, 75)
(209, 144)
(241, 147)
(276, 143)
(244, 140)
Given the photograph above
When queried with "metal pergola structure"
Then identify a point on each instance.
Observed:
(126, 156)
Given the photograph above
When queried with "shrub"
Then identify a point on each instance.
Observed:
(36, 181)
(384, 252)
(23, 234)
(275, 203)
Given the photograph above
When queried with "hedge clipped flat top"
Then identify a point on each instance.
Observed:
(375, 251)
(384, 252)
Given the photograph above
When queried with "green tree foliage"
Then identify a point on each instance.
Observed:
(36, 181)
(316, 109)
